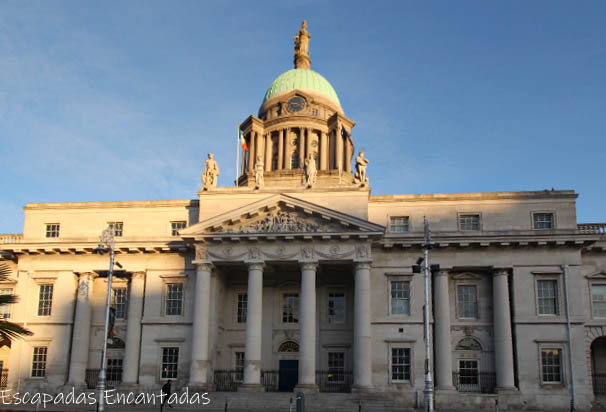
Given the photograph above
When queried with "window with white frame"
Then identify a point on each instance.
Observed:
(542, 221)
(52, 229)
(170, 363)
(469, 222)
(117, 228)
(118, 302)
(400, 364)
(551, 365)
(239, 366)
(336, 307)
(5, 310)
(290, 308)
(398, 223)
(176, 226)
(114, 370)
(336, 367)
(45, 300)
(467, 301)
(174, 299)
(242, 307)
(400, 297)
(547, 295)
(469, 373)
(39, 362)
(598, 301)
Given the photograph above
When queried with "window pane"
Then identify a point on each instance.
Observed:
(239, 365)
(170, 363)
(242, 307)
(45, 301)
(39, 362)
(468, 301)
(400, 298)
(400, 364)
(551, 365)
(398, 224)
(469, 222)
(176, 226)
(174, 298)
(543, 220)
(5, 310)
(114, 370)
(290, 311)
(336, 366)
(118, 302)
(117, 226)
(52, 230)
(598, 300)
(548, 297)
(336, 307)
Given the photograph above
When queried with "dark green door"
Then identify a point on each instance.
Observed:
(289, 375)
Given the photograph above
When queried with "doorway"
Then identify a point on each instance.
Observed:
(289, 375)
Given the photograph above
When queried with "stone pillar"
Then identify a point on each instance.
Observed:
(340, 164)
(81, 331)
(442, 342)
(199, 365)
(502, 331)
(308, 142)
(307, 352)
(281, 138)
(348, 153)
(362, 334)
(132, 350)
(323, 151)
(254, 316)
(252, 152)
(268, 152)
(302, 139)
(287, 150)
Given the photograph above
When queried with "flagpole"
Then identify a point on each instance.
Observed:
(237, 156)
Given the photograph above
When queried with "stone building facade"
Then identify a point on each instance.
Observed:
(298, 278)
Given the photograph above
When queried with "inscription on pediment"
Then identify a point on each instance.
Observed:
(281, 221)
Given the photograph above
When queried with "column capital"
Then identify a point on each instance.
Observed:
(308, 265)
(205, 266)
(201, 254)
(501, 271)
(442, 272)
(362, 264)
(86, 275)
(255, 265)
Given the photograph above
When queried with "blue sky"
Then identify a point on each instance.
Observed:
(122, 100)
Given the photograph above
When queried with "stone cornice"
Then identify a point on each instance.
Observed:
(111, 204)
(528, 195)
(83, 248)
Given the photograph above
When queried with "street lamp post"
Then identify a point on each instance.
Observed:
(428, 380)
(106, 243)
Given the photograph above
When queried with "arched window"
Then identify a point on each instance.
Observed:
(289, 346)
(468, 344)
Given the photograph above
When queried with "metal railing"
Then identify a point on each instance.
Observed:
(599, 228)
(334, 381)
(269, 379)
(3, 378)
(112, 380)
(599, 384)
(11, 238)
(483, 382)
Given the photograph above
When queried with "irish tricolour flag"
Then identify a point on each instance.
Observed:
(241, 139)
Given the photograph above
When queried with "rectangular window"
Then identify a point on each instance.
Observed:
(598, 301)
(547, 293)
(542, 220)
(239, 366)
(290, 310)
(114, 370)
(398, 224)
(400, 298)
(336, 308)
(551, 365)
(170, 363)
(117, 227)
(45, 302)
(5, 310)
(336, 367)
(174, 299)
(400, 364)
(52, 229)
(176, 226)
(242, 307)
(39, 362)
(469, 376)
(468, 301)
(118, 302)
(469, 222)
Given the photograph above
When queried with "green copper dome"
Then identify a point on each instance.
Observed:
(304, 79)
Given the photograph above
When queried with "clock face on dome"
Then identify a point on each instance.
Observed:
(296, 104)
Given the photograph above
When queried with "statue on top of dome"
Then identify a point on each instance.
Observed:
(211, 173)
(361, 165)
(302, 60)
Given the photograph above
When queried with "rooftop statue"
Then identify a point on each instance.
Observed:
(361, 165)
(211, 173)
(302, 60)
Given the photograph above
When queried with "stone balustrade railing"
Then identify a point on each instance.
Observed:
(592, 228)
(11, 238)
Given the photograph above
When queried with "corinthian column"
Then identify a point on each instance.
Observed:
(307, 354)
(254, 315)
(198, 369)
(502, 331)
(133, 329)
(81, 333)
(362, 333)
(442, 329)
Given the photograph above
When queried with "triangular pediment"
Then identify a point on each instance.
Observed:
(282, 215)
(598, 275)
